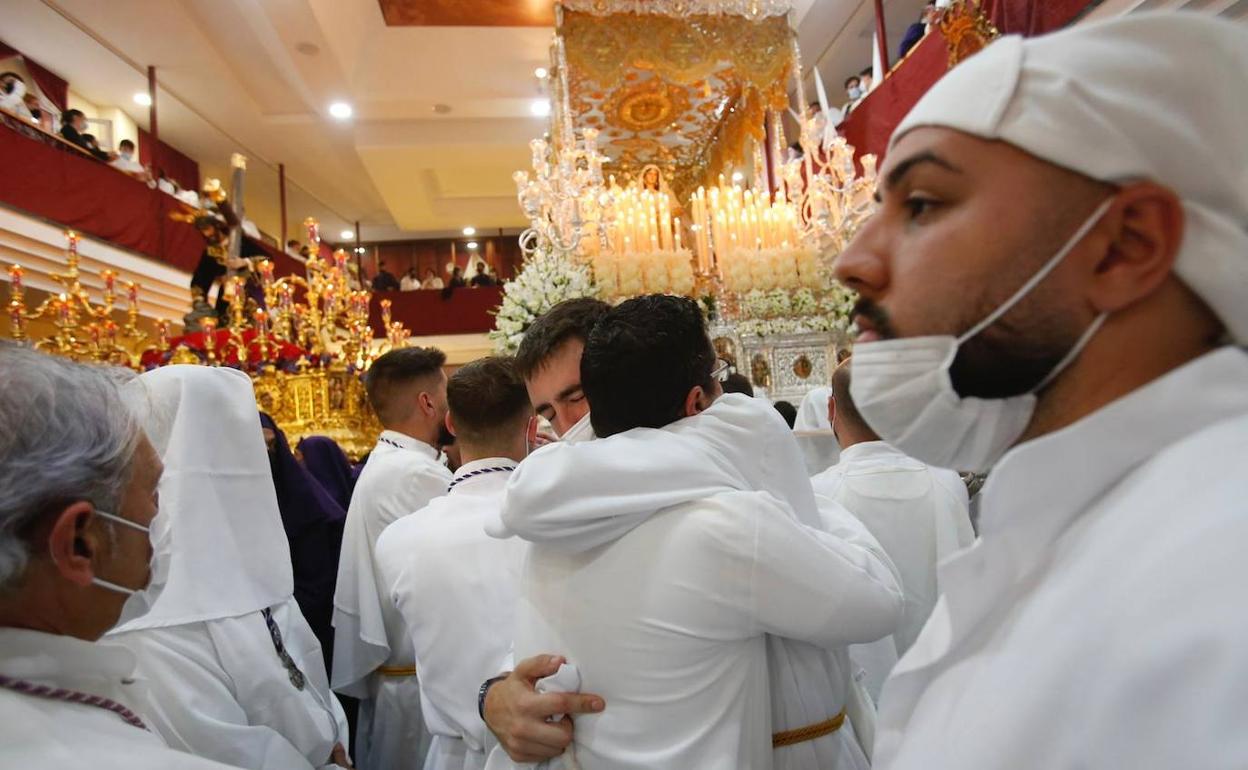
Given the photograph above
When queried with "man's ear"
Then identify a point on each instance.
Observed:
(1147, 221)
(696, 401)
(73, 543)
(831, 409)
(425, 402)
(450, 425)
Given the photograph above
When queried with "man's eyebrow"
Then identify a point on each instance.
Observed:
(906, 166)
(568, 391)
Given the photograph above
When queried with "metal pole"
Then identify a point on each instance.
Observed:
(881, 36)
(281, 193)
(152, 128)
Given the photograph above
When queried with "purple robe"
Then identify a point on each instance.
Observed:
(329, 465)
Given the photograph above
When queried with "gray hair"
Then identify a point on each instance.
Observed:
(65, 435)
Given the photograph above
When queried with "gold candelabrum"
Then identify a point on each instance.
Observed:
(84, 331)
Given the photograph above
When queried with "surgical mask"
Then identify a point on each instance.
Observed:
(583, 430)
(16, 89)
(904, 390)
(140, 600)
(127, 154)
(854, 92)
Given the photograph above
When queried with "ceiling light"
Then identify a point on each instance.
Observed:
(472, 244)
(470, 231)
(737, 176)
(143, 98)
(341, 110)
(347, 235)
(541, 73)
(540, 107)
(360, 249)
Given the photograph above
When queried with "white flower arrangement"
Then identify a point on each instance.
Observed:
(652, 272)
(768, 313)
(543, 282)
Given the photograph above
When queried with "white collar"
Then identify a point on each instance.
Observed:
(477, 471)
(396, 440)
(65, 661)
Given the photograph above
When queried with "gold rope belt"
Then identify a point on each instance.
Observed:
(809, 732)
(397, 671)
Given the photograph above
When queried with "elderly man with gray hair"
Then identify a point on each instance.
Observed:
(78, 484)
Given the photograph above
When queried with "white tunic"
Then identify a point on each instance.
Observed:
(217, 685)
(39, 733)
(918, 516)
(218, 688)
(668, 623)
(1098, 621)
(456, 588)
(402, 475)
(812, 415)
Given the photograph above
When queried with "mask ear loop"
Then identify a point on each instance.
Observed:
(1074, 351)
(1040, 275)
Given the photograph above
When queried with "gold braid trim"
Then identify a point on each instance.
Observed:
(809, 732)
(397, 671)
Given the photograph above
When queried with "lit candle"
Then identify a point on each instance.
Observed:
(385, 313)
(262, 322)
(677, 232)
(17, 323)
(132, 293)
(15, 279)
(162, 334)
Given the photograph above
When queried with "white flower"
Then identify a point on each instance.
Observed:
(543, 282)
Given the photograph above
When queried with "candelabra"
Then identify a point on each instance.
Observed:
(84, 331)
(565, 199)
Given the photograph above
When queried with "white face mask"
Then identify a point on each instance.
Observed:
(583, 430)
(854, 92)
(904, 390)
(140, 600)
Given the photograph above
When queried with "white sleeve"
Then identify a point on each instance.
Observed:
(828, 588)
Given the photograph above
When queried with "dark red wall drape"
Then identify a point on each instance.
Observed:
(177, 166)
(466, 311)
(1032, 17)
(53, 87)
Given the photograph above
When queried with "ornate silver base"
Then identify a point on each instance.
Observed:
(787, 366)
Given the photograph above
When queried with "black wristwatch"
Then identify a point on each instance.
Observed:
(485, 688)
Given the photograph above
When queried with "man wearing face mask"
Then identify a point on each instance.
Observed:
(235, 671)
(549, 360)
(125, 161)
(373, 656)
(1085, 347)
(78, 480)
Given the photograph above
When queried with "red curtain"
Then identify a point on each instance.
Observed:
(52, 86)
(178, 167)
(466, 311)
(1032, 17)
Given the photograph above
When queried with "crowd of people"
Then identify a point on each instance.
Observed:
(411, 280)
(625, 567)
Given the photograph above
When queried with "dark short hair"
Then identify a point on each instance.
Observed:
(11, 73)
(569, 320)
(68, 115)
(866, 73)
(787, 411)
(845, 408)
(393, 373)
(852, 79)
(292, 242)
(642, 359)
(124, 143)
(486, 399)
(738, 383)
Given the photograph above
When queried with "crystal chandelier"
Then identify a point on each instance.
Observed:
(564, 199)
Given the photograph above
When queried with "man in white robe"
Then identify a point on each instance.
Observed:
(234, 671)
(78, 486)
(813, 431)
(456, 586)
(919, 515)
(373, 656)
(749, 440)
(680, 667)
(1056, 286)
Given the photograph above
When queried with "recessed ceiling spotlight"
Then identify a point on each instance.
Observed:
(307, 49)
(441, 109)
(472, 244)
(143, 98)
(347, 235)
(540, 107)
(541, 73)
(470, 230)
(341, 110)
